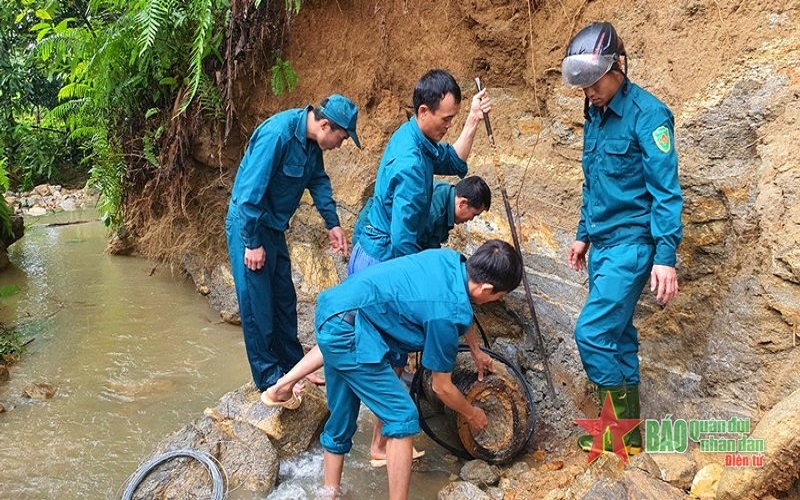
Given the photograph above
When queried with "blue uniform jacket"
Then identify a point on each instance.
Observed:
(441, 218)
(403, 190)
(630, 191)
(417, 302)
(279, 164)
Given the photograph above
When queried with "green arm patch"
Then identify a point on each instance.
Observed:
(661, 137)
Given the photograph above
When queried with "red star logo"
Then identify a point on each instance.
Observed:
(608, 423)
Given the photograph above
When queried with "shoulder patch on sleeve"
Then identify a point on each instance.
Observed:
(662, 139)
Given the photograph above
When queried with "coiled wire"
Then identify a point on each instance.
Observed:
(218, 486)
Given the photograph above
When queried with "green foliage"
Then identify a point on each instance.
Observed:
(11, 344)
(284, 77)
(106, 175)
(8, 291)
(5, 211)
(91, 95)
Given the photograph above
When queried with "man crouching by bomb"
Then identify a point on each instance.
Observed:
(421, 302)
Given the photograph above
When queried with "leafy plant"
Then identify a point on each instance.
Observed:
(5, 211)
(11, 344)
(284, 77)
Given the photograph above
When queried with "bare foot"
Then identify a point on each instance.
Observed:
(315, 379)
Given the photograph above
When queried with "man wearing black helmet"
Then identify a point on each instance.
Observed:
(630, 214)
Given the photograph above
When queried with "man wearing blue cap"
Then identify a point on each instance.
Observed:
(283, 159)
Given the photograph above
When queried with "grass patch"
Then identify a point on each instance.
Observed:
(8, 291)
(11, 345)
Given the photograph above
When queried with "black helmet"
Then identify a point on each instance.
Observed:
(591, 54)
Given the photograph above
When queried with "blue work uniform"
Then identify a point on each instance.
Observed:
(403, 191)
(631, 215)
(378, 312)
(441, 218)
(279, 164)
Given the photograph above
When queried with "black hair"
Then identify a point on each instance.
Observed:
(319, 115)
(432, 87)
(497, 263)
(476, 192)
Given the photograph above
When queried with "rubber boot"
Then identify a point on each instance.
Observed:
(619, 401)
(633, 440)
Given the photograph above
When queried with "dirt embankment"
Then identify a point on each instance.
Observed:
(729, 71)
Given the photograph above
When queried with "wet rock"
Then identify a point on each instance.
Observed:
(121, 243)
(39, 390)
(222, 294)
(42, 189)
(780, 430)
(247, 438)
(2, 407)
(291, 431)
(462, 490)
(706, 481)
(478, 471)
(246, 456)
(676, 468)
(68, 205)
(37, 211)
(4, 376)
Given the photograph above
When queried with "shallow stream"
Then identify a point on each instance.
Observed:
(134, 353)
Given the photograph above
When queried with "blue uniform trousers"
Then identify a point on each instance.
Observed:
(359, 259)
(267, 305)
(348, 382)
(607, 340)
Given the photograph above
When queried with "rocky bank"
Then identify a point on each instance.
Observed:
(728, 70)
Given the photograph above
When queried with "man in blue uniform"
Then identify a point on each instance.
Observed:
(421, 302)
(283, 159)
(404, 184)
(450, 205)
(631, 215)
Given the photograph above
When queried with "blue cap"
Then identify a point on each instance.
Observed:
(341, 111)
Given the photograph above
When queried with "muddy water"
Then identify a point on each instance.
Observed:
(134, 354)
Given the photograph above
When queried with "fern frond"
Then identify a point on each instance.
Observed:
(73, 91)
(152, 15)
(54, 44)
(86, 133)
(64, 110)
(205, 20)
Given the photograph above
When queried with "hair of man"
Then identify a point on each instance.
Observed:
(319, 115)
(496, 263)
(475, 190)
(433, 87)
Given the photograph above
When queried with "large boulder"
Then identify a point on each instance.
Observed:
(246, 438)
(780, 430)
(608, 478)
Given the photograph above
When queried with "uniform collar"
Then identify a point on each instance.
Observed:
(617, 103)
(426, 144)
(301, 130)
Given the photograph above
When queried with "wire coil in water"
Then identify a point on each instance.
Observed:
(505, 397)
(218, 487)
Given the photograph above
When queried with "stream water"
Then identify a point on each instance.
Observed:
(134, 353)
